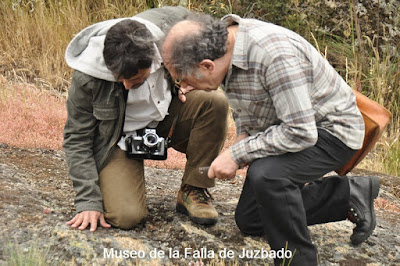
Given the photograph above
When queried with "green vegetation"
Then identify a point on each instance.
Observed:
(17, 255)
(360, 41)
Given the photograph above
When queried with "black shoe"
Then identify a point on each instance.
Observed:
(363, 191)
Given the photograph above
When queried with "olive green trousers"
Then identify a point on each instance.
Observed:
(200, 133)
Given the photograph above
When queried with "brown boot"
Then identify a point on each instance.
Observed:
(196, 203)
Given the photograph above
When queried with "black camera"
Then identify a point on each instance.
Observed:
(148, 146)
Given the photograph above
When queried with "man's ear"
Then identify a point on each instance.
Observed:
(207, 65)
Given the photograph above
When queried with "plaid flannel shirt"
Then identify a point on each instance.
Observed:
(281, 89)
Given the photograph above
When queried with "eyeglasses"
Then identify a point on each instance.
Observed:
(177, 82)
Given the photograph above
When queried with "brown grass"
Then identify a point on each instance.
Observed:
(387, 205)
(30, 117)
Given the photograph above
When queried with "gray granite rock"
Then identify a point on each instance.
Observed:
(37, 199)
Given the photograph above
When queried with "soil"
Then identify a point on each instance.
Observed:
(37, 199)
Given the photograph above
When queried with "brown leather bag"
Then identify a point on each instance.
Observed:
(376, 118)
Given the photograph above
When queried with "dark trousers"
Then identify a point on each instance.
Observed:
(283, 194)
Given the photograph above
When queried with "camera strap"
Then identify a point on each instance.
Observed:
(171, 130)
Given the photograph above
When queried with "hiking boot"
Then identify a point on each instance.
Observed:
(196, 203)
(363, 191)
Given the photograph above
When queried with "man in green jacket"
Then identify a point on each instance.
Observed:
(119, 89)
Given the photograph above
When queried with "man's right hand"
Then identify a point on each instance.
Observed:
(83, 219)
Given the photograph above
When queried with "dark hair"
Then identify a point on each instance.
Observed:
(208, 42)
(128, 47)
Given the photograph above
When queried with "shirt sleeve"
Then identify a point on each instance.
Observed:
(78, 147)
(288, 81)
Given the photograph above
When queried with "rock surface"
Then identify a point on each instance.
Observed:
(36, 199)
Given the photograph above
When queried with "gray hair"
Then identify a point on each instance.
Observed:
(208, 42)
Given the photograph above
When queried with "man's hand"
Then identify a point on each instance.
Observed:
(83, 219)
(182, 91)
(223, 167)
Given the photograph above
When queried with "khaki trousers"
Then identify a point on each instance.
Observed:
(200, 133)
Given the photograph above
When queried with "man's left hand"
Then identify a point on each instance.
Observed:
(223, 167)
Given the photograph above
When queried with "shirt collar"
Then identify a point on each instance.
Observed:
(157, 61)
(239, 56)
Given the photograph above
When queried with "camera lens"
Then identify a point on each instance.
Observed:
(150, 140)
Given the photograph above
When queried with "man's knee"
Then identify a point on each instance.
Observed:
(259, 173)
(214, 101)
(240, 220)
(220, 103)
(268, 179)
(268, 169)
(247, 227)
(126, 218)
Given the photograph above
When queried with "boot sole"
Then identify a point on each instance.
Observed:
(204, 221)
(374, 186)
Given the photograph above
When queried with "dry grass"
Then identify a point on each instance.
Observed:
(30, 117)
(387, 205)
(34, 46)
(16, 254)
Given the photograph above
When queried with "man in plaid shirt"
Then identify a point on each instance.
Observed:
(296, 120)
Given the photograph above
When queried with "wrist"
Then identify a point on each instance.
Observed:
(89, 207)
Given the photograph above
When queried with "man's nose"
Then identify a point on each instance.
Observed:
(127, 84)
